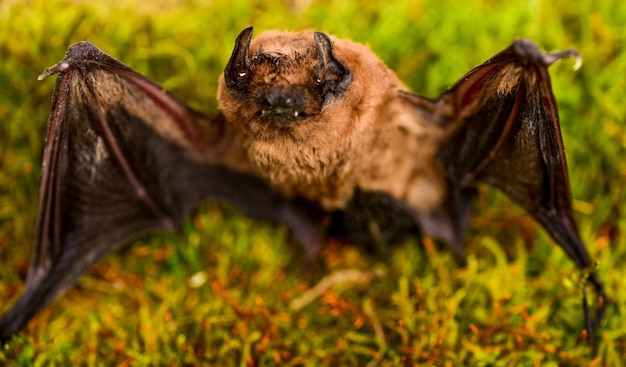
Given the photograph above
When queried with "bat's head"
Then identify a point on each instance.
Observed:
(281, 81)
(308, 110)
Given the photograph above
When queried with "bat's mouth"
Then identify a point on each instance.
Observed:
(282, 115)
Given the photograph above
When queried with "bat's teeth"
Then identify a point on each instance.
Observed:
(281, 112)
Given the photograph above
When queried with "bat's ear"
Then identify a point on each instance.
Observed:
(332, 76)
(237, 71)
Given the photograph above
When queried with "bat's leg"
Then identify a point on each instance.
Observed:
(309, 228)
(593, 324)
(449, 221)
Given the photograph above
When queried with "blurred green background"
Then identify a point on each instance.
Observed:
(220, 293)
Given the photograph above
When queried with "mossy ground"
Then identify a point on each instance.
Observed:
(222, 292)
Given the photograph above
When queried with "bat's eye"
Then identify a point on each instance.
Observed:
(321, 87)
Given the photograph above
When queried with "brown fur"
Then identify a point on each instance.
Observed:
(370, 138)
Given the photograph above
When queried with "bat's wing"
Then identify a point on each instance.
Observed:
(505, 132)
(122, 157)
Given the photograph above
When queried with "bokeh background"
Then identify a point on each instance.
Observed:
(222, 292)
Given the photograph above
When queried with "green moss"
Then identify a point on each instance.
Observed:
(220, 293)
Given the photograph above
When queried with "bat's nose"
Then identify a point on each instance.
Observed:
(281, 96)
(280, 100)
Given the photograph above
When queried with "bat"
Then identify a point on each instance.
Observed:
(312, 131)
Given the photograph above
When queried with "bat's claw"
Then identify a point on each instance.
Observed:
(58, 68)
(549, 59)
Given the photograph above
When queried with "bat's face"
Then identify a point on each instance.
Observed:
(282, 84)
